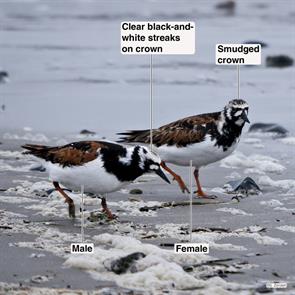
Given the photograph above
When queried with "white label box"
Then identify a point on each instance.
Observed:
(238, 54)
(158, 37)
(82, 248)
(191, 248)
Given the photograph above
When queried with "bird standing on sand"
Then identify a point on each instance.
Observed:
(204, 139)
(101, 166)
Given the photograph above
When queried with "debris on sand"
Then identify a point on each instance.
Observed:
(279, 61)
(227, 6)
(136, 191)
(263, 44)
(175, 204)
(87, 132)
(38, 279)
(37, 167)
(234, 211)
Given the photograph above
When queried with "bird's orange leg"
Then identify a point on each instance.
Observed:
(106, 209)
(67, 199)
(179, 180)
(200, 192)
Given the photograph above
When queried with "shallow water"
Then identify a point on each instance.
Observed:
(67, 72)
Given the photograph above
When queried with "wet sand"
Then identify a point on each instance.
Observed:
(255, 236)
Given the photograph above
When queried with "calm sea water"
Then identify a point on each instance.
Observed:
(67, 73)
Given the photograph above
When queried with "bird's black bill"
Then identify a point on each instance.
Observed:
(162, 175)
(245, 117)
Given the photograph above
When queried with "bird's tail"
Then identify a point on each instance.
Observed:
(40, 151)
(140, 136)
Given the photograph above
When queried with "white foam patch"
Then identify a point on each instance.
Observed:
(11, 154)
(161, 269)
(272, 203)
(252, 140)
(15, 200)
(284, 209)
(234, 211)
(259, 162)
(258, 146)
(287, 228)
(218, 190)
(250, 171)
(38, 137)
(234, 175)
(288, 140)
(264, 240)
(5, 166)
(285, 184)
(132, 208)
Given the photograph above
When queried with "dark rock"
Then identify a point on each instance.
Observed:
(245, 186)
(276, 274)
(147, 208)
(135, 191)
(263, 289)
(3, 76)
(188, 268)
(87, 132)
(123, 264)
(268, 128)
(5, 227)
(50, 191)
(167, 245)
(226, 5)
(3, 107)
(279, 61)
(37, 167)
(263, 44)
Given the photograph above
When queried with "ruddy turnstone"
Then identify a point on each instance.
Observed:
(101, 166)
(204, 139)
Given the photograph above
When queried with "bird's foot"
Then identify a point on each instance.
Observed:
(72, 213)
(181, 184)
(106, 210)
(109, 214)
(202, 195)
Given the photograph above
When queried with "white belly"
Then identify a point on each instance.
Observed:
(201, 154)
(92, 175)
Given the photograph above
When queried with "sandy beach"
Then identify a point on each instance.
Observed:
(67, 74)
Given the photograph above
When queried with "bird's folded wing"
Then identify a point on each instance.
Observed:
(74, 154)
(180, 133)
